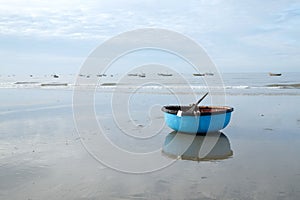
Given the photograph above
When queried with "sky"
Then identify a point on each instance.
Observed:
(239, 36)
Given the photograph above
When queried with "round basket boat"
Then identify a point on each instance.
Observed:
(204, 119)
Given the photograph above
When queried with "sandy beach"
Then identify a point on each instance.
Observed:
(42, 156)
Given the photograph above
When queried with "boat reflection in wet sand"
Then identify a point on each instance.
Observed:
(190, 147)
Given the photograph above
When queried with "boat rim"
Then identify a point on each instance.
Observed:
(173, 109)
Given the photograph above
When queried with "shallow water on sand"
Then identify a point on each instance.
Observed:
(42, 157)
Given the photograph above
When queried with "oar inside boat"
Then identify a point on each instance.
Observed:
(194, 106)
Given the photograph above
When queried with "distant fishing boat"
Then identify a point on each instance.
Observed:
(101, 75)
(274, 74)
(132, 74)
(209, 74)
(198, 74)
(162, 74)
(143, 75)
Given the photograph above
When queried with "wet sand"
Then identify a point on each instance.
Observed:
(41, 156)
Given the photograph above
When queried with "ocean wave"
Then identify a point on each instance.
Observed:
(53, 84)
(242, 89)
(285, 86)
(26, 82)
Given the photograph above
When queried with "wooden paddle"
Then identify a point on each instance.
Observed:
(194, 106)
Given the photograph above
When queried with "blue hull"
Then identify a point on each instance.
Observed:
(197, 124)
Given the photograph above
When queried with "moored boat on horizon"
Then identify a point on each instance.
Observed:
(275, 74)
(198, 74)
(162, 74)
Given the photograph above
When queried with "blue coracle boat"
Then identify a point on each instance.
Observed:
(203, 120)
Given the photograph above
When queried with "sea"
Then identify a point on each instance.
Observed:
(232, 83)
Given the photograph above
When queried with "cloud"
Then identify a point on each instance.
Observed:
(102, 19)
(291, 13)
(47, 22)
